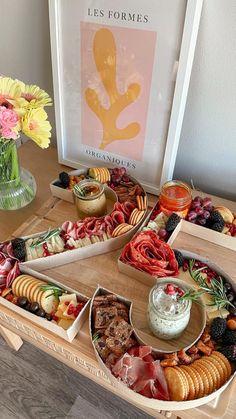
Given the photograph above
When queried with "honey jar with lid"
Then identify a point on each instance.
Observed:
(175, 197)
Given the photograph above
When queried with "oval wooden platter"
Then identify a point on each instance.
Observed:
(137, 314)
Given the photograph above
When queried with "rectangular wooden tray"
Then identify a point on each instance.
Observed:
(68, 334)
(217, 247)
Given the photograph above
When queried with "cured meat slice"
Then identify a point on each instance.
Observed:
(118, 217)
(148, 253)
(144, 377)
(127, 208)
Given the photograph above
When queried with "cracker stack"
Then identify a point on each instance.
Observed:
(30, 287)
(202, 377)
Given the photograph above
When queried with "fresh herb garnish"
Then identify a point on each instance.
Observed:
(215, 288)
(56, 291)
(96, 337)
(45, 237)
(193, 296)
(80, 191)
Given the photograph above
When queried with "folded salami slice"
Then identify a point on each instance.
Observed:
(150, 254)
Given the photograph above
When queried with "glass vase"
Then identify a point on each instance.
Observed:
(17, 185)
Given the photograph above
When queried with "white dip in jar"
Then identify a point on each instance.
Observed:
(168, 313)
(90, 199)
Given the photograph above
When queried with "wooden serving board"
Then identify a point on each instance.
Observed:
(84, 276)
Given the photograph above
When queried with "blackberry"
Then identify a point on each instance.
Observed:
(229, 352)
(19, 250)
(217, 227)
(172, 222)
(218, 327)
(59, 184)
(216, 221)
(216, 217)
(65, 179)
(179, 257)
(229, 337)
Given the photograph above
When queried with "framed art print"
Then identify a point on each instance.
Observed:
(121, 72)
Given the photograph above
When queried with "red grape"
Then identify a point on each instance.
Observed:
(198, 199)
(192, 215)
(195, 205)
(199, 211)
(162, 233)
(206, 201)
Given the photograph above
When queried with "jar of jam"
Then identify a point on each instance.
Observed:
(90, 199)
(175, 197)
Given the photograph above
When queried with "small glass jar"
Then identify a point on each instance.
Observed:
(90, 199)
(166, 325)
(175, 197)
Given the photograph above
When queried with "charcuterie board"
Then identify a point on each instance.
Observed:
(93, 271)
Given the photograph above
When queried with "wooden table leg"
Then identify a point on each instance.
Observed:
(13, 340)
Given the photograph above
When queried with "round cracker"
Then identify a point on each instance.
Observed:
(204, 377)
(32, 289)
(224, 360)
(221, 373)
(23, 286)
(187, 381)
(15, 282)
(121, 229)
(194, 378)
(200, 381)
(191, 385)
(36, 291)
(213, 370)
(19, 284)
(29, 289)
(135, 216)
(24, 289)
(176, 384)
(210, 376)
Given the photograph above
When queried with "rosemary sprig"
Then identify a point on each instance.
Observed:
(80, 191)
(45, 237)
(96, 337)
(215, 289)
(56, 291)
(193, 296)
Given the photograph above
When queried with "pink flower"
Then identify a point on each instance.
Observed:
(8, 123)
(8, 118)
(8, 134)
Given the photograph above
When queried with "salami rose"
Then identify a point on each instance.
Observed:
(149, 254)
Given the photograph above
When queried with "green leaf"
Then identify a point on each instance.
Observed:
(45, 237)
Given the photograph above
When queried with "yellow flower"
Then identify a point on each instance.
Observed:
(34, 96)
(35, 125)
(9, 89)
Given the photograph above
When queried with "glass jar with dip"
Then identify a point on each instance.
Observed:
(168, 313)
(90, 198)
(175, 197)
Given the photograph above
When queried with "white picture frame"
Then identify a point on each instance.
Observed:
(151, 173)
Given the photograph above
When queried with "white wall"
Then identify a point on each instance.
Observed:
(25, 44)
(207, 149)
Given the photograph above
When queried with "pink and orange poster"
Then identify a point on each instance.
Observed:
(116, 76)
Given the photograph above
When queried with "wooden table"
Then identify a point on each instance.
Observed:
(83, 276)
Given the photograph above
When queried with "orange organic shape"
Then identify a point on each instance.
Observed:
(104, 51)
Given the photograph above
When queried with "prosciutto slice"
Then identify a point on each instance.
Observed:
(9, 270)
(148, 253)
(139, 371)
